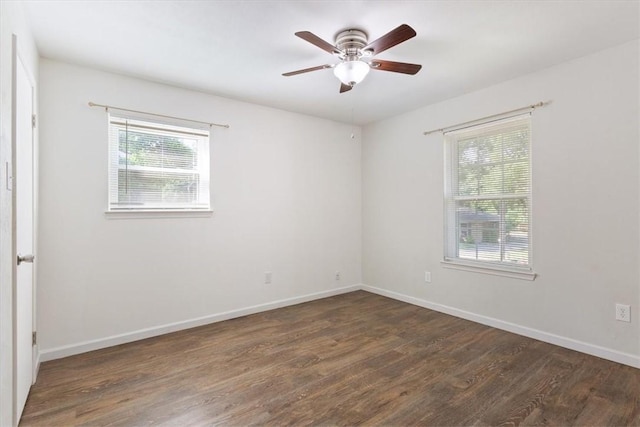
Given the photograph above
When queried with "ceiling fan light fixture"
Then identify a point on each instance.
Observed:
(351, 72)
(355, 52)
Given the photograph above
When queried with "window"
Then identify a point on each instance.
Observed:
(488, 195)
(157, 166)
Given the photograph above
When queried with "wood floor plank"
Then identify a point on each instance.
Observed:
(352, 359)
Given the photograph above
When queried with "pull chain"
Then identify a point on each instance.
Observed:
(353, 136)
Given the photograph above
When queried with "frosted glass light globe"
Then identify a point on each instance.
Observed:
(351, 72)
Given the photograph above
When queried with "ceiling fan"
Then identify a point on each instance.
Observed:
(356, 54)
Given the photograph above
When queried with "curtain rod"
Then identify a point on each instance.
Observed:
(461, 125)
(106, 107)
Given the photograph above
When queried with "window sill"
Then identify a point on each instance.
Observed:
(157, 213)
(496, 271)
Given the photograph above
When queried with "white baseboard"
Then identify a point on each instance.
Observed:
(36, 364)
(592, 349)
(83, 347)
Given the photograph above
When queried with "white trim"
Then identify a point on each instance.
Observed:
(488, 269)
(587, 348)
(36, 364)
(451, 142)
(118, 123)
(158, 213)
(83, 347)
(583, 347)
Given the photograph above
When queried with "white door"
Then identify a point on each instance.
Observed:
(24, 236)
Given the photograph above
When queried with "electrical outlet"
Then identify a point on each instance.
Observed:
(623, 313)
(337, 276)
(427, 276)
(267, 277)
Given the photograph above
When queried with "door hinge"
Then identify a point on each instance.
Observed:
(33, 121)
(34, 338)
(8, 177)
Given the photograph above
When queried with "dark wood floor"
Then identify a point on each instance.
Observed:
(352, 359)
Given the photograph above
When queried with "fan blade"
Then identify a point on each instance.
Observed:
(306, 70)
(345, 88)
(315, 40)
(396, 67)
(392, 38)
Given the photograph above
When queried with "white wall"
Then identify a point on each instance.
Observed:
(12, 22)
(285, 191)
(585, 206)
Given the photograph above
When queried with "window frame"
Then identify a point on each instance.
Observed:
(451, 258)
(165, 127)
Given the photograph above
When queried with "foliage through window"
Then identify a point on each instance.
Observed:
(157, 166)
(488, 194)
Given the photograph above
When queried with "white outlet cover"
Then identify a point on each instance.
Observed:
(623, 312)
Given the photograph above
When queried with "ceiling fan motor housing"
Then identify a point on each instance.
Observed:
(351, 42)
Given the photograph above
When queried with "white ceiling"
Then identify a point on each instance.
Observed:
(239, 49)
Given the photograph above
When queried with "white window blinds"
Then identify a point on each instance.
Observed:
(488, 194)
(157, 166)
